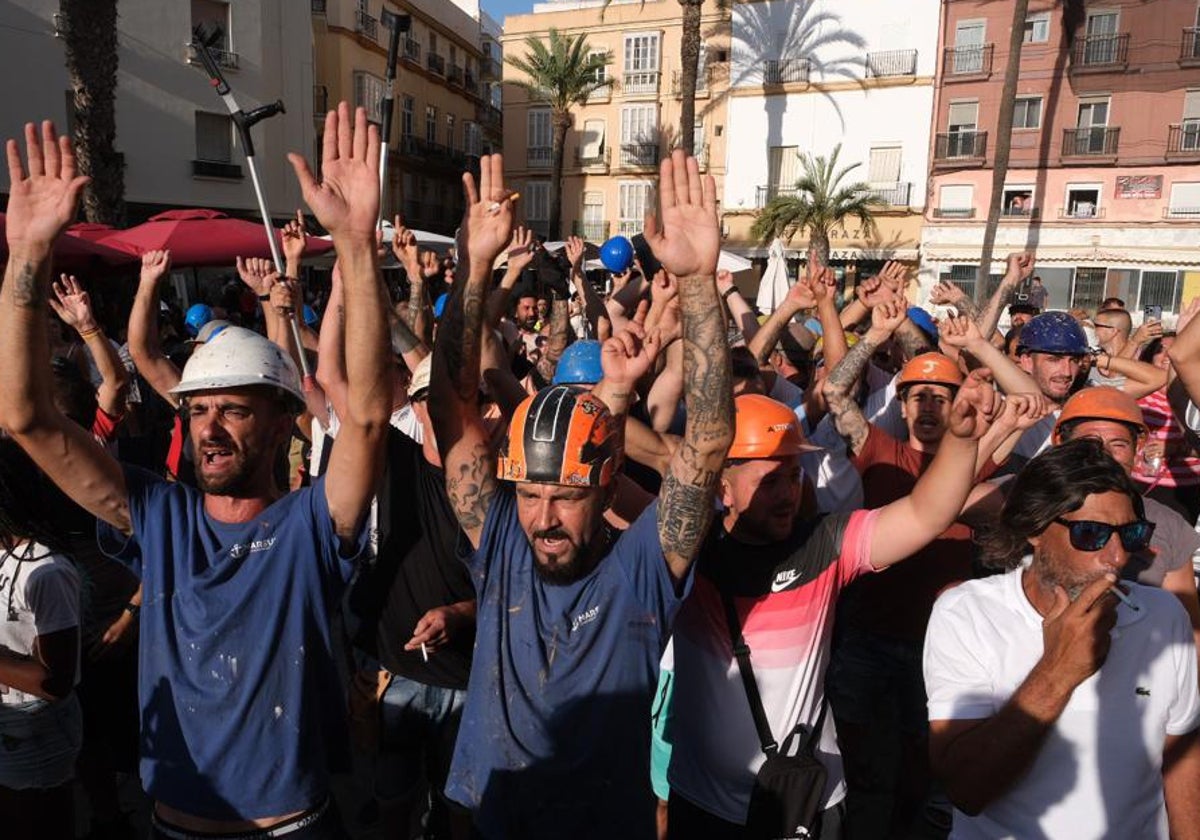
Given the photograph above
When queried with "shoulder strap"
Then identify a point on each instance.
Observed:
(741, 652)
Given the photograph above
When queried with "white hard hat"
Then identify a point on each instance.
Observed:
(237, 357)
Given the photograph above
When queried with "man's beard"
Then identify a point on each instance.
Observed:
(234, 482)
(1053, 573)
(581, 564)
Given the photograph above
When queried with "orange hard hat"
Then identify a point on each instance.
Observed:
(1101, 402)
(932, 368)
(765, 428)
(561, 435)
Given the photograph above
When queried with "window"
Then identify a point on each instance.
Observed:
(783, 168)
(699, 144)
(214, 137)
(1027, 112)
(593, 227)
(1037, 28)
(591, 143)
(1091, 129)
(537, 204)
(964, 276)
(539, 138)
(216, 11)
(432, 41)
(600, 74)
(472, 139)
(634, 199)
(1088, 289)
(1185, 200)
(1083, 201)
(1018, 201)
(1159, 288)
(884, 166)
(1101, 46)
(969, 46)
(430, 124)
(406, 116)
(639, 135)
(961, 122)
(1190, 139)
(368, 94)
(956, 201)
(449, 131)
(641, 63)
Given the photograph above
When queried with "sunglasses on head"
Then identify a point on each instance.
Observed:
(1089, 535)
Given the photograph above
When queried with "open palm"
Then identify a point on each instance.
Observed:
(686, 239)
(43, 202)
(346, 201)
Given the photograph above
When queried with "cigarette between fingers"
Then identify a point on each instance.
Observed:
(1123, 598)
(494, 207)
(424, 652)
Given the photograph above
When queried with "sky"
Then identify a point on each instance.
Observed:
(499, 9)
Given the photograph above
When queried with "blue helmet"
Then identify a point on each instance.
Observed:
(1053, 332)
(311, 319)
(579, 365)
(617, 254)
(925, 321)
(197, 316)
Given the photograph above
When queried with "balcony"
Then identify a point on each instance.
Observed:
(454, 75)
(433, 153)
(412, 50)
(470, 84)
(1181, 212)
(1081, 210)
(963, 148)
(320, 102)
(892, 63)
(954, 212)
(1189, 52)
(1184, 140)
(489, 116)
(630, 227)
(1094, 142)
(701, 82)
(366, 25)
(1019, 213)
(597, 163)
(591, 231)
(491, 69)
(765, 194)
(318, 7)
(891, 195)
(636, 155)
(641, 83)
(539, 157)
(225, 59)
(968, 62)
(782, 71)
(1100, 53)
(436, 64)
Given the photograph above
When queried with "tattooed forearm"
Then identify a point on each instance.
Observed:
(912, 340)
(685, 512)
(838, 390)
(403, 339)
(28, 290)
(471, 487)
(557, 343)
(968, 307)
(990, 316)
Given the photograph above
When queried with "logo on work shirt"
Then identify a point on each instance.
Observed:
(784, 579)
(1142, 692)
(585, 617)
(240, 550)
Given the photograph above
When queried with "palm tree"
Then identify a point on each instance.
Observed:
(89, 29)
(821, 201)
(689, 58)
(562, 74)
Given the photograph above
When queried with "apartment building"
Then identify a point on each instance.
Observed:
(1104, 177)
(613, 151)
(178, 142)
(808, 76)
(446, 94)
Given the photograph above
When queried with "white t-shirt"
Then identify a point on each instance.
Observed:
(40, 590)
(837, 484)
(1099, 772)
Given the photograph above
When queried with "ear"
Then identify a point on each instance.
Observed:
(726, 492)
(1034, 541)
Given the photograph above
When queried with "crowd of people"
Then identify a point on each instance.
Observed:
(556, 558)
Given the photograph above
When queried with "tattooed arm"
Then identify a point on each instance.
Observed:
(839, 386)
(912, 340)
(687, 242)
(1020, 266)
(560, 328)
(467, 455)
(40, 205)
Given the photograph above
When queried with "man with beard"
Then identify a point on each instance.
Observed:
(1060, 705)
(572, 618)
(242, 718)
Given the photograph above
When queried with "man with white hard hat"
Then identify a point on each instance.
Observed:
(242, 715)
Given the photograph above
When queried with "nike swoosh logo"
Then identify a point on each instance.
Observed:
(782, 582)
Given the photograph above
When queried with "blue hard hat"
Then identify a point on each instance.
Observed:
(579, 365)
(923, 320)
(197, 316)
(1053, 332)
(439, 305)
(311, 318)
(617, 254)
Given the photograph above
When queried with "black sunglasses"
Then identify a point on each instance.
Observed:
(1089, 535)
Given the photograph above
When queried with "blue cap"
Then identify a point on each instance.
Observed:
(197, 316)
(923, 320)
(617, 254)
(439, 305)
(311, 319)
(579, 365)
(814, 326)
(1057, 333)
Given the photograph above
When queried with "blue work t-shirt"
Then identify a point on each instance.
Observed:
(241, 705)
(555, 734)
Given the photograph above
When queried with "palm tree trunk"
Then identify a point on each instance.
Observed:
(562, 124)
(90, 35)
(1002, 144)
(689, 57)
(818, 240)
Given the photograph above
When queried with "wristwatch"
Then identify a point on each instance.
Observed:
(265, 297)
(725, 294)
(133, 609)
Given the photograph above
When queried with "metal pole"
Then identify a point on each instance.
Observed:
(400, 23)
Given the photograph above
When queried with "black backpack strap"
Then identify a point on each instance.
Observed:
(741, 652)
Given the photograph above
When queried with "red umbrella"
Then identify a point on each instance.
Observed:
(73, 252)
(202, 237)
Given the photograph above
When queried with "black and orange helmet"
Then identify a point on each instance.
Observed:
(561, 435)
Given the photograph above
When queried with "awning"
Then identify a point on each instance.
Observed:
(837, 254)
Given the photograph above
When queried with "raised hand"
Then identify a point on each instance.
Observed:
(42, 203)
(687, 239)
(431, 266)
(664, 288)
(155, 265)
(295, 237)
(257, 273)
(487, 223)
(72, 303)
(284, 295)
(871, 292)
(945, 293)
(1147, 332)
(627, 356)
(894, 276)
(346, 201)
(724, 281)
(522, 248)
(801, 294)
(1020, 265)
(958, 331)
(575, 251)
(404, 246)
(975, 406)
(886, 318)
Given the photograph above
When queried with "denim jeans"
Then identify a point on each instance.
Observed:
(39, 742)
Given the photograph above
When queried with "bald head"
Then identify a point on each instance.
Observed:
(1112, 329)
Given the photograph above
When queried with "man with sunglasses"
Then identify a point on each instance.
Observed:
(1061, 705)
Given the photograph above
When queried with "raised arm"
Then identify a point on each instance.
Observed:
(560, 328)
(946, 293)
(40, 205)
(963, 333)
(739, 310)
(1020, 267)
(159, 371)
(466, 452)
(687, 241)
(346, 203)
(294, 237)
(258, 274)
(1141, 378)
(73, 304)
(593, 304)
(417, 315)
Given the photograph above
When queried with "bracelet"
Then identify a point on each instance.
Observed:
(731, 290)
(86, 334)
(133, 609)
(265, 298)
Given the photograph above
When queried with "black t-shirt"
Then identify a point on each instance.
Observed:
(417, 569)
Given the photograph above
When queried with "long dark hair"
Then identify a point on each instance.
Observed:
(1054, 483)
(30, 505)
